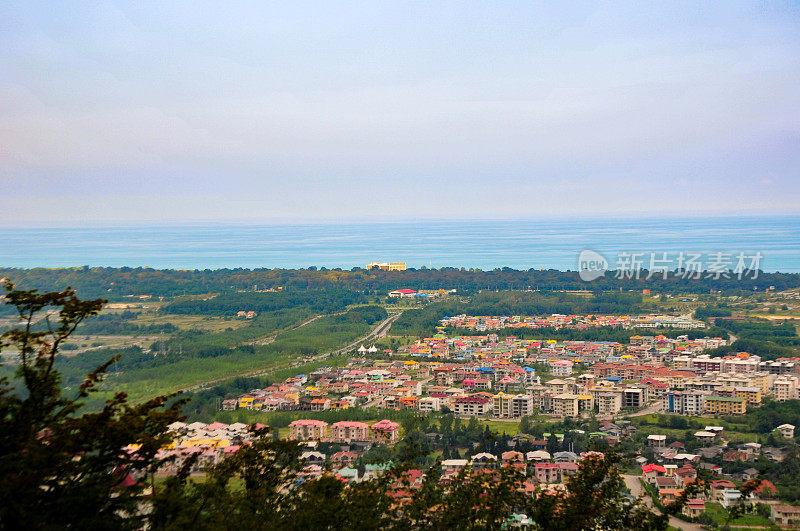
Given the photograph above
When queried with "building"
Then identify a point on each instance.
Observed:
(780, 366)
(784, 388)
(694, 508)
(634, 397)
(403, 293)
(785, 515)
(685, 402)
(348, 431)
(384, 266)
(657, 441)
(725, 405)
(787, 430)
(565, 405)
(561, 367)
(501, 405)
(308, 430)
(609, 402)
(472, 405)
(429, 403)
(522, 405)
(385, 431)
(751, 395)
(547, 472)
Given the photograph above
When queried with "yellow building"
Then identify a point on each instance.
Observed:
(585, 402)
(751, 395)
(725, 405)
(501, 405)
(384, 266)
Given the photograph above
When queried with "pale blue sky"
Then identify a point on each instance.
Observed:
(292, 110)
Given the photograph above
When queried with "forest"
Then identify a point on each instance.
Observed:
(117, 283)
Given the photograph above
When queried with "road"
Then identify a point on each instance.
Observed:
(655, 407)
(377, 332)
(269, 339)
(636, 488)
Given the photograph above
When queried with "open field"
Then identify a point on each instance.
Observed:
(191, 322)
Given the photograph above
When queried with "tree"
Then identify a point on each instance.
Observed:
(552, 444)
(61, 468)
(525, 424)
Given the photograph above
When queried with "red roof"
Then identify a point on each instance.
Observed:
(653, 468)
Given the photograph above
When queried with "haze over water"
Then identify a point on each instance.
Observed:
(520, 244)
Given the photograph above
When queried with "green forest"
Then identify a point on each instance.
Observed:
(117, 283)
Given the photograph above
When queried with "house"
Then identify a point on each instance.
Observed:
(343, 459)
(720, 485)
(666, 482)
(453, 465)
(710, 452)
(785, 515)
(787, 430)
(773, 454)
(483, 460)
(705, 436)
(312, 458)
(308, 430)
(565, 457)
(735, 455)
(538, 455)
(652, 471)
(694, 508)
(730, 497)
(711, 467)
(547, 472)
(656, 441)
(347, 431)
(749, 474)
(385, 431)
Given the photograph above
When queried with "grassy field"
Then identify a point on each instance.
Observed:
(694, 422)
(748, 521)
(501, 426)
(191, 322)
(323, 335)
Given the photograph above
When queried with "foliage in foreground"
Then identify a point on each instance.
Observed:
(64, 469)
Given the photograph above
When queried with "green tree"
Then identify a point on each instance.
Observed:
(61, 468)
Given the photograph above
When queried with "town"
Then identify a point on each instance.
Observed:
(602, 386)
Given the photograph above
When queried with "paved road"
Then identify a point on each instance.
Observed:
(269, 339)
(635, 486)
(377, 332)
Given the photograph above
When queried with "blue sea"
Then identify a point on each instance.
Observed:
(519, 244)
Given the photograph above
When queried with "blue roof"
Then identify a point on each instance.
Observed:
(486, 369)
(529, 369)
(613, 378)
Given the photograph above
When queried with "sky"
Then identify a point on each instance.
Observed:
(162, 111)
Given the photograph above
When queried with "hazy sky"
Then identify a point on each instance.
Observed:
(223, 110)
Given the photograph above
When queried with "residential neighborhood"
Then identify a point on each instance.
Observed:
(601, 393)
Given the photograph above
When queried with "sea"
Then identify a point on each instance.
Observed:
(773, 242)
